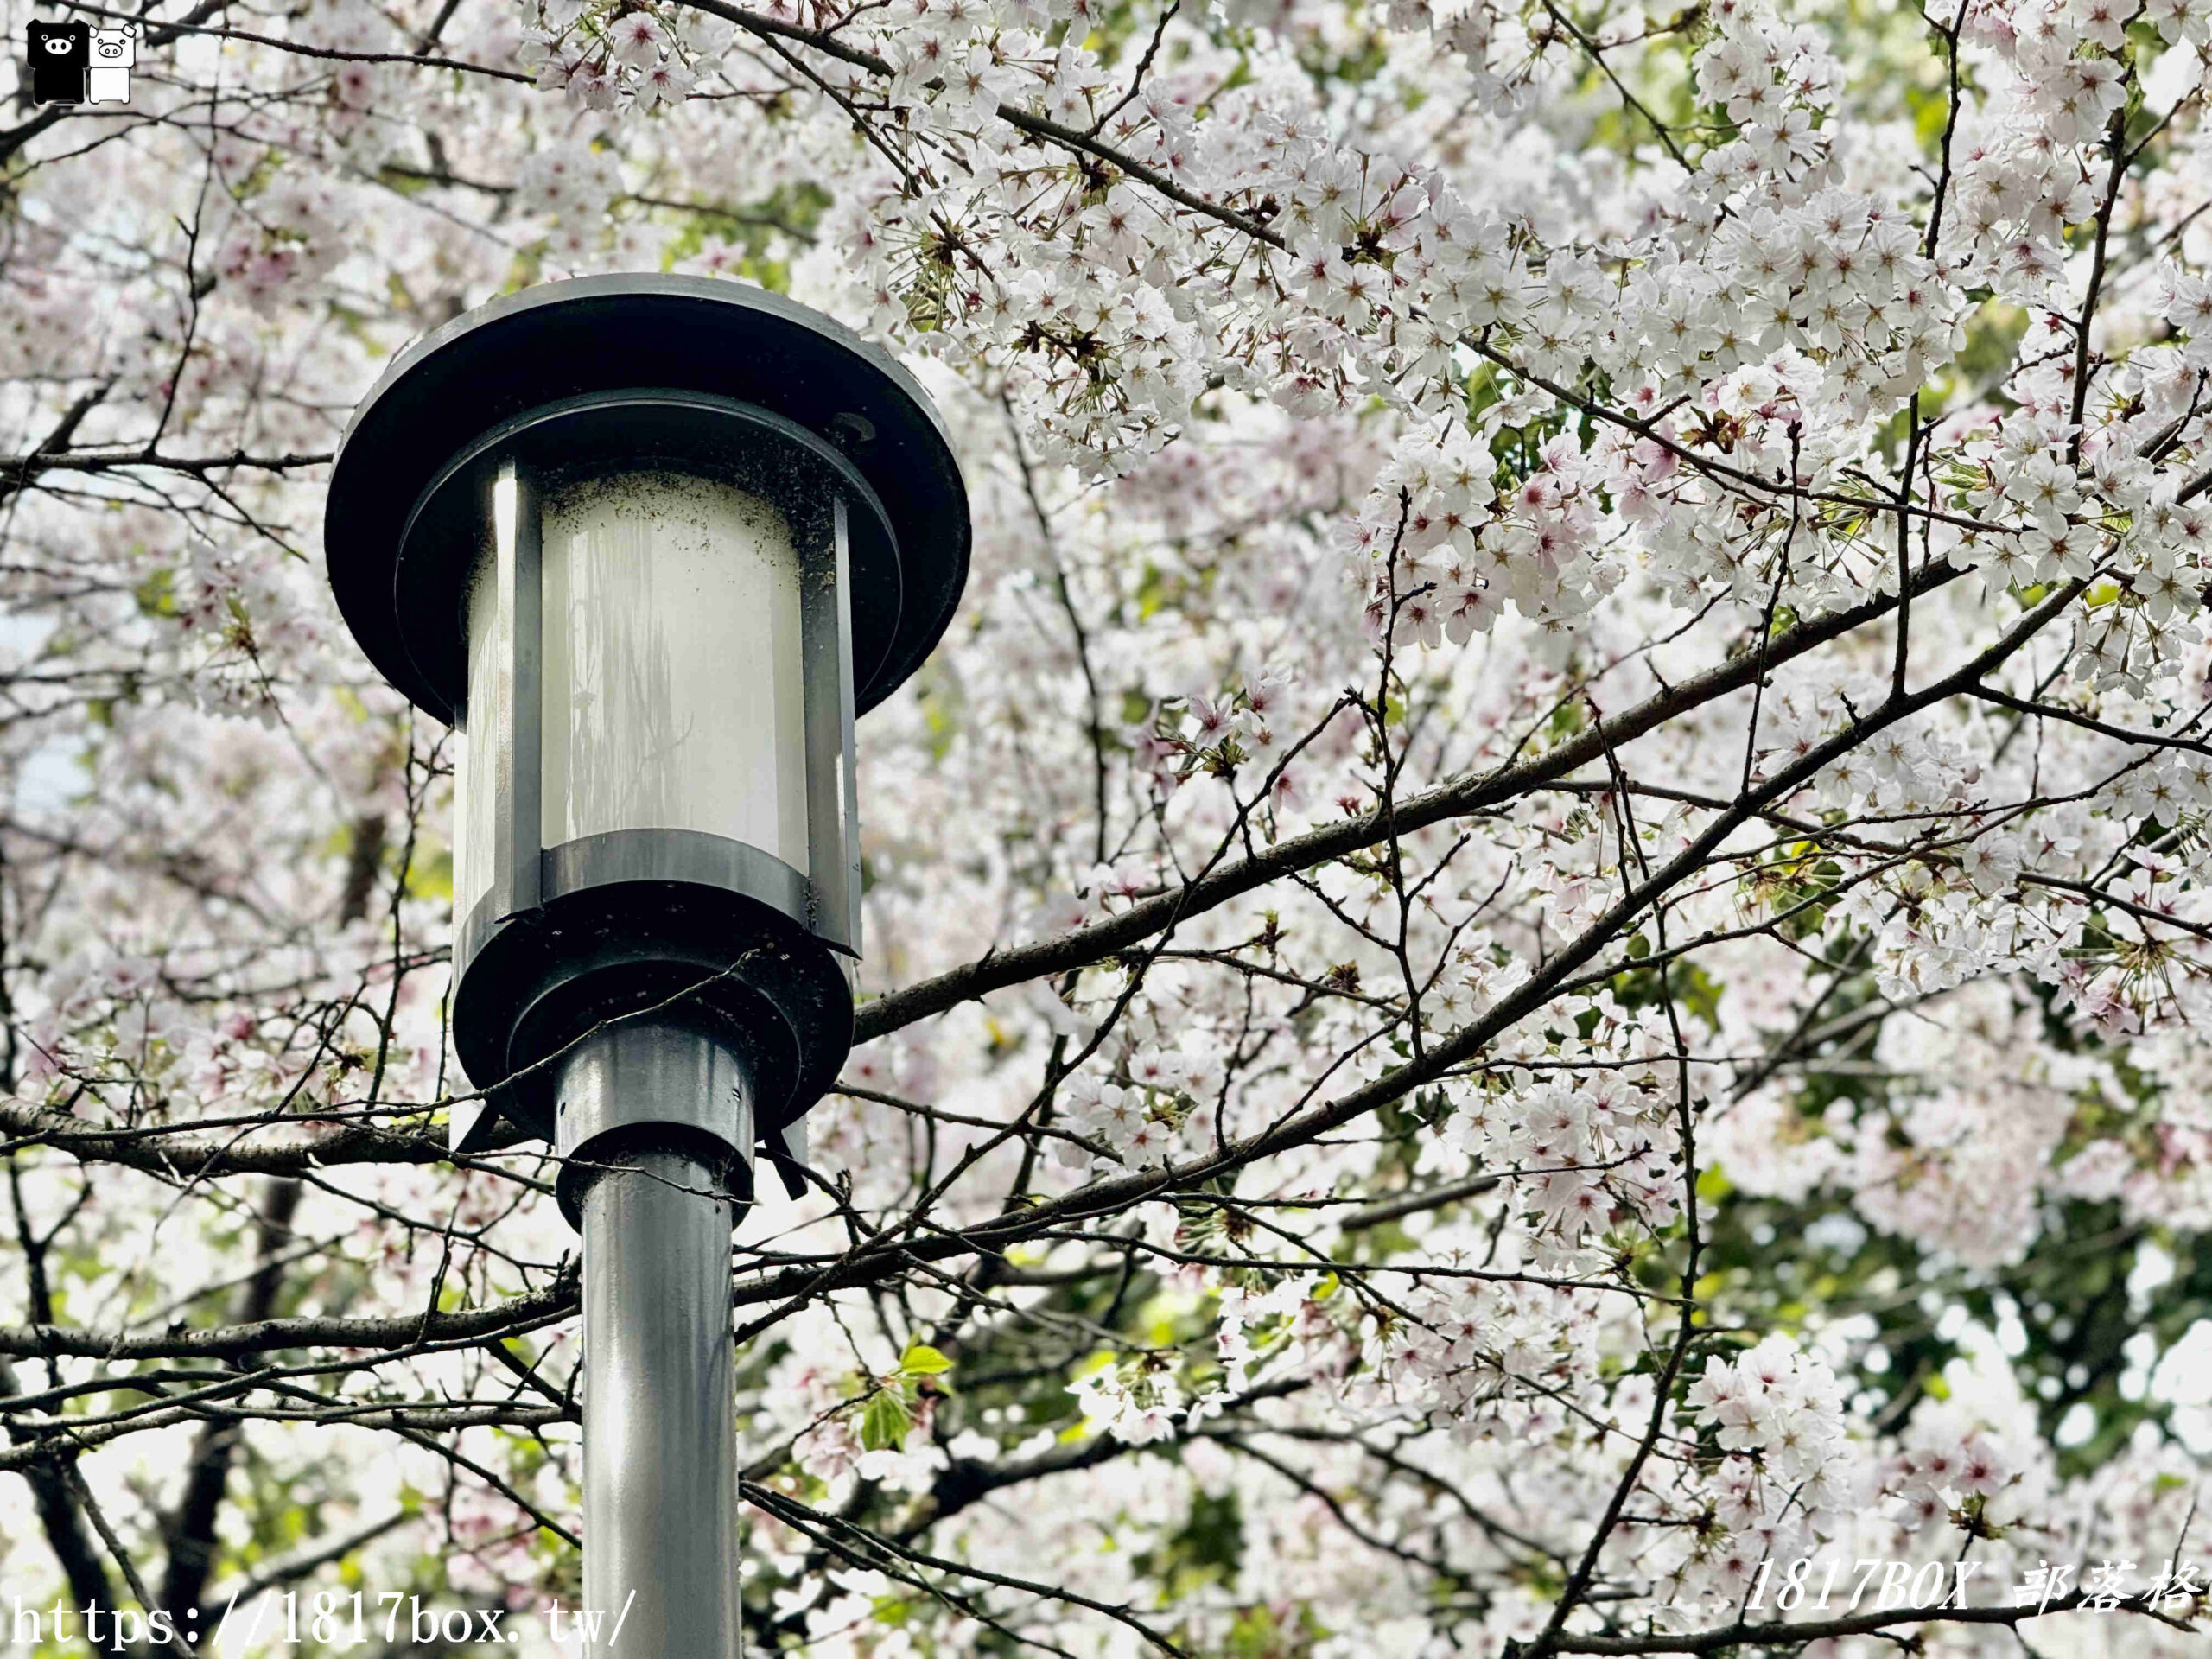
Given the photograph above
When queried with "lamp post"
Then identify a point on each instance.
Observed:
(650, 545)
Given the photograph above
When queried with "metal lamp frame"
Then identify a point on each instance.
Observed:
(534, 966)
(600, 377)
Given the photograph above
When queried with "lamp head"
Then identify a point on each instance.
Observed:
(652, 543)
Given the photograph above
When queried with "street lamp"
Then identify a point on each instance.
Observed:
(650, 545)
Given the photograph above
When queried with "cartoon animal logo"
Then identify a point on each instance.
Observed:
(61, 59)
(114, 50)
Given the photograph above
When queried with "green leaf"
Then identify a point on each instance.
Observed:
(884, 1426)
(922, 1360)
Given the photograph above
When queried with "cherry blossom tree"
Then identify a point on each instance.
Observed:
(1538, 952)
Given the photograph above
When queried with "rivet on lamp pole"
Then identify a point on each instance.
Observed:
(650, 545)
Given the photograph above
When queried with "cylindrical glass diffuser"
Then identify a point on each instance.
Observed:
(674, 697)
(671, 669)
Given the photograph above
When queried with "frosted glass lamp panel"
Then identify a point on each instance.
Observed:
(674, 689)
(487, 731)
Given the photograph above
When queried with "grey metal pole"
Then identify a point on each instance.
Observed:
(651, 1120)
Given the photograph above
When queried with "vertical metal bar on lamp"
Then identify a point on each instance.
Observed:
(660, 1448)
(833, 843)
(519, 526)
(848, 817)
(518, 781)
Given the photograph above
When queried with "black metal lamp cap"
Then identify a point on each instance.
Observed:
(598, 335)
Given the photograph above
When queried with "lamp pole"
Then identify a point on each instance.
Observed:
(650, 545)
(660, 1453)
